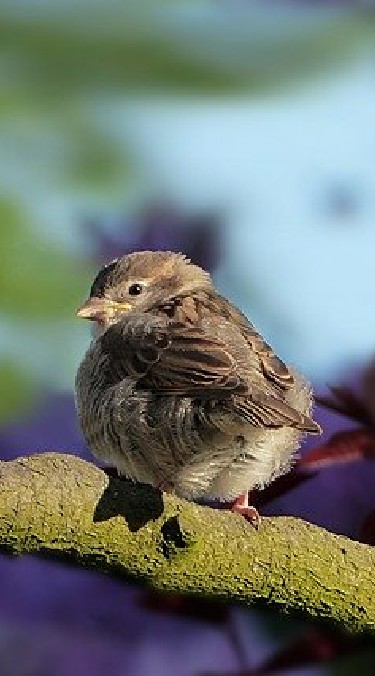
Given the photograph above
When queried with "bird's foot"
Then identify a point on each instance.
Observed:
(164, 486)
(250, 513)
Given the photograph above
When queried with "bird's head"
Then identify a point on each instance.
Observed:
(142, 281)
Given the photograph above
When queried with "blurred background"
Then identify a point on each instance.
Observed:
(242, 133)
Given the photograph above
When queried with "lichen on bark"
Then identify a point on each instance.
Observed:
(60, 506)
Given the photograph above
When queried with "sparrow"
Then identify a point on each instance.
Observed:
(178, 390)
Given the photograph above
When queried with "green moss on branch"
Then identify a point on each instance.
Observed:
(58, 505)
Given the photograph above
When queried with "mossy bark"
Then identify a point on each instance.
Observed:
(59, 505)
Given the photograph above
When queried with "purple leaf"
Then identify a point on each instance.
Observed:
(164, 228)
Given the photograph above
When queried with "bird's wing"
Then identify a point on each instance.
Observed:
(265, 410)
(272, 366)
(171, 358)
(177, 359)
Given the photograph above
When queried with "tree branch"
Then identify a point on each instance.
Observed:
(61, 506)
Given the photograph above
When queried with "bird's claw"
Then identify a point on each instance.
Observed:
(241, 506)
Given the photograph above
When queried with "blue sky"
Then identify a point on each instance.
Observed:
(294, 176)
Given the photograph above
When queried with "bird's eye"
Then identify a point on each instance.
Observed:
(135, 289)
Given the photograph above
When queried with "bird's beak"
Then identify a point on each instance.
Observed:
(98, 309)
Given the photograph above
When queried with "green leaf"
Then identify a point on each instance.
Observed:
(197, 47)
(16, 389)
(36, 279)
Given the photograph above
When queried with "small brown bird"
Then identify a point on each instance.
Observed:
(179, 391)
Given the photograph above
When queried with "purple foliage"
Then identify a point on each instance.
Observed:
(79, 622)
(52, 426)
(162, 228)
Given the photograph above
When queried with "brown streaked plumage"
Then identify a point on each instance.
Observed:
(179, 390)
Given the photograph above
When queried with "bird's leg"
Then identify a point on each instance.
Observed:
(165, 486)
(251, 514)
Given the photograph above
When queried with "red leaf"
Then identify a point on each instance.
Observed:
(343, 447)
(367, 533)
(345, 402)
